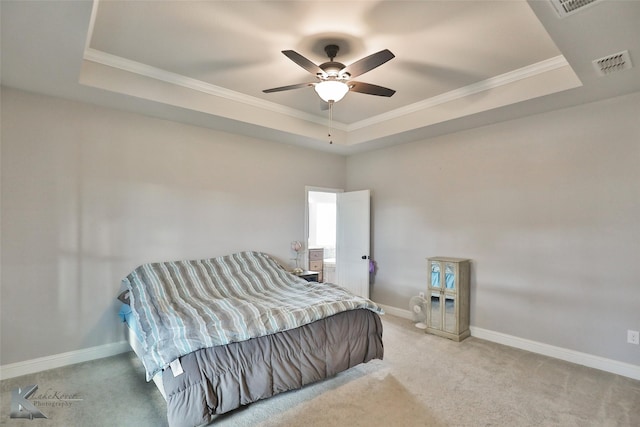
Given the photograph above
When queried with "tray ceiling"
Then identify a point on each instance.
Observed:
(208, 62)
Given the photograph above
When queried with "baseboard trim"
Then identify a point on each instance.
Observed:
(32, 366)
(584, 359)
(405, 314)
(17, 369)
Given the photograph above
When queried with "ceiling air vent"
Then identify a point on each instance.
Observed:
(613, 63)
(569, 7)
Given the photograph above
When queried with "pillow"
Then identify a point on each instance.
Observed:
(124, 296)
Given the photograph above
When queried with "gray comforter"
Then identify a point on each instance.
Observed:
(243, 329)
(219, 379)
(184, 306)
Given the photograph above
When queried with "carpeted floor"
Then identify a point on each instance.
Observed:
(423, 381)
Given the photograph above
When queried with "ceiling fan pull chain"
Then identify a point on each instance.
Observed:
(330, 121)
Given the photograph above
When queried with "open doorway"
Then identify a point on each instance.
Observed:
(321, 208)
(338, 233)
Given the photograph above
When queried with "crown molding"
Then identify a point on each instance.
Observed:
(138, 68)
(118, 62)
(481, 86)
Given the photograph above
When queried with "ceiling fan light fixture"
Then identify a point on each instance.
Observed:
(331, 90)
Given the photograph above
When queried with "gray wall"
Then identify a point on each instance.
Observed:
(89, 193)
(548, 209)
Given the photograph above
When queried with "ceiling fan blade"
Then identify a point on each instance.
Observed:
(370, 89)
(368, 63)
(303, 62)
(282, 88)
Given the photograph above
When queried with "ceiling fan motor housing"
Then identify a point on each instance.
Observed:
(332, 50)
(332, 68)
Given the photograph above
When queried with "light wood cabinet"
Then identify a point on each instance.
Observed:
(316, 261)
(448, 297)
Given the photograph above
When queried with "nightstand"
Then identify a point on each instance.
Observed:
(316, 262)
(309, 276)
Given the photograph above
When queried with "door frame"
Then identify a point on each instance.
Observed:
(307, 189)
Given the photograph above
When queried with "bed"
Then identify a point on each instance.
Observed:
(220, 333)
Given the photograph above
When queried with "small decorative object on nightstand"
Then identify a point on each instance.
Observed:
(448, 297)
(296, 246)
(316, 261)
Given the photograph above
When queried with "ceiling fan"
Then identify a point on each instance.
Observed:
(334, 78)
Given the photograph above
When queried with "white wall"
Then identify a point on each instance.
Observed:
(548, 209)
(89, 193)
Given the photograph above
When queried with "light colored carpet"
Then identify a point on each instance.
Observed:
(424, 380)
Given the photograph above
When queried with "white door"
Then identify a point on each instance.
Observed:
(352, 248)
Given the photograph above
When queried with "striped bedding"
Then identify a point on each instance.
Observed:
(185, 306)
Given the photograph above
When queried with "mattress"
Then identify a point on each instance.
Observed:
(132, 335)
